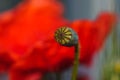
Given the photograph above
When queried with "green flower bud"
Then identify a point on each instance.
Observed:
(66, 36)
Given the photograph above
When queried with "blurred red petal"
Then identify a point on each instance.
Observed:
(22, 27)
(93, 34)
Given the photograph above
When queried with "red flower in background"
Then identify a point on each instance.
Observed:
(27, 33)
(92, 35)
(26, 25)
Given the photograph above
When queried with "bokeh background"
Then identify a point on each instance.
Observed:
(87, 9)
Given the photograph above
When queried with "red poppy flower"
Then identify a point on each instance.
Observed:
(23, 27)
(31, 26)
(92, 35)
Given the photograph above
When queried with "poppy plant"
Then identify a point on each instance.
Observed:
(29, 37)
(56, 58)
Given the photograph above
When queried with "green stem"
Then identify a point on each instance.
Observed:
(76, 63)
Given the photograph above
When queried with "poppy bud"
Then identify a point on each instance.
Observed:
(66, 36)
